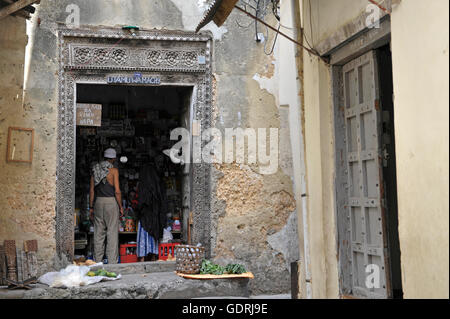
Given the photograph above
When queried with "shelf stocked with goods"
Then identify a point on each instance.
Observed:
(141, 138)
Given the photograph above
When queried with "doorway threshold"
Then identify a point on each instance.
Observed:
(140, 267)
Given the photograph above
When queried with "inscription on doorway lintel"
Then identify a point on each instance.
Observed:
(136, 78)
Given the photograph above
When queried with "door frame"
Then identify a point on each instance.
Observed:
(89, 56)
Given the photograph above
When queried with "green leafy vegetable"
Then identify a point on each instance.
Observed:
(235, 269)
(209, 268)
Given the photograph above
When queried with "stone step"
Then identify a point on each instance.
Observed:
(156, 285)
(139, 268)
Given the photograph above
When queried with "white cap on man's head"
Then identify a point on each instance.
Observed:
(110, 153)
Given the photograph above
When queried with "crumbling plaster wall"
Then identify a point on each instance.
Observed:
(254, 218)
(253, 215)
(252, 209)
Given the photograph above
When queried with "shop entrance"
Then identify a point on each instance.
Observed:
(136, 121)
(154, 61)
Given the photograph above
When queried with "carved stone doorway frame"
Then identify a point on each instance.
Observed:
(89, 56)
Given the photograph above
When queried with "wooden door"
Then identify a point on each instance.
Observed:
(366, 199)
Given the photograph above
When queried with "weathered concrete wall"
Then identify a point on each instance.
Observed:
(319, 173)
(323, 20)
(327, 16)
(329, 23)
(26, 190)
(280, 78)
(256, 214)
(253, 215)
(420, 64)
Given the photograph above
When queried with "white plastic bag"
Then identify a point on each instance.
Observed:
(167, 235)
(72, 276)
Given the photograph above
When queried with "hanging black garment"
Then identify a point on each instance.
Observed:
(152, 205)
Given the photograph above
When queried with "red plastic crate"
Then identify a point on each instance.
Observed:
(166, 249)
(123, 248)
(128, 259)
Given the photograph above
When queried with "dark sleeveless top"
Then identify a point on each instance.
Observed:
(105, 190)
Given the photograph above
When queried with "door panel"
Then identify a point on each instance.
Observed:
(364, 171)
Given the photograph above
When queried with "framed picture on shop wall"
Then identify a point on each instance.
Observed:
(20, 145)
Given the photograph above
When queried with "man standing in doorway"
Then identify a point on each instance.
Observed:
(105, 190)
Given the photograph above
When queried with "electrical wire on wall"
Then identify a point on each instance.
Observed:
(380, 6)
(261, 19)
(256, 22)
(274, 41)
(260, 7)
(246, 26)
(311, 30)
(249, 5)
(275, 11)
